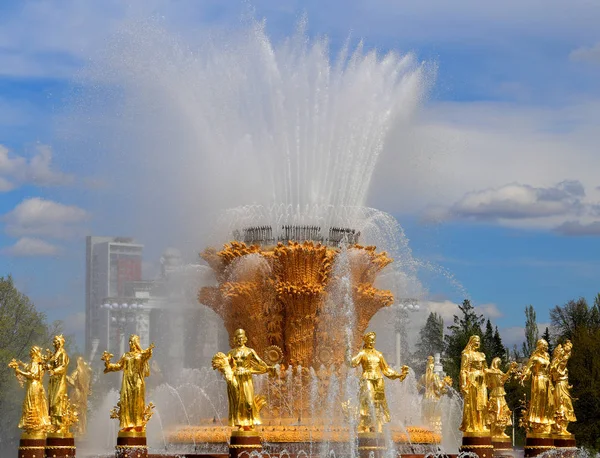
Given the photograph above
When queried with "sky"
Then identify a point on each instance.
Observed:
(495, 184)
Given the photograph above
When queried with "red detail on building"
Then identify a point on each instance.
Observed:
(128, 270)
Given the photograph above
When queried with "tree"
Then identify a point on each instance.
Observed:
(21, 327)
(531, 331)
(464, 326)
(546, 336)
(431, 341)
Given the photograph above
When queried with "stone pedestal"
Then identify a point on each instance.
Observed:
(502, 447)
(371, 443)
(244, 441)
(565, 445)
(536, 444)
(131, 445)
(481, 445)
(60, 447)
(32, 446)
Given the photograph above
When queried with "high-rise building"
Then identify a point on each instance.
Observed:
(111, 263)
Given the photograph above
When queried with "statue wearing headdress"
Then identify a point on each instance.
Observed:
(473, 388)
(57, 365)
(374, 412)
(35, 421)
(563, 402)
(131, 410)
(498, 411)
(434, 390)
(80, 380)
(237, 368)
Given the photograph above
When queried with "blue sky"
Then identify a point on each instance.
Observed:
(501, 189)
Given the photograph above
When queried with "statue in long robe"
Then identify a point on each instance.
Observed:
(80, 381)
(132, 412)
(539, 417)
(57, 365)
(237, 367)
(35, 421)
(563, 402)
(473, 388)
(374, 411)
(498, 411)
(434, 389)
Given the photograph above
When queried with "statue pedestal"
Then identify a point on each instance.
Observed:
(565, 445)
(480, 444)
(131, 445)
(502, 447)
(244, 441)
(32, 446)
(60, 447)
(538, 443)
(371, 443)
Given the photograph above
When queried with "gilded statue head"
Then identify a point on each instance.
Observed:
(567, 346)
(474, 342)
(496, 363)
(369, 339)
(36, 353)
(134, 343)
(59, 341)
(541, 346)
(558, 351)
(239, 337)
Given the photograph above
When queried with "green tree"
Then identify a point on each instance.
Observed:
(466, 324)
(431, 341)
(531, 331)
(546, 336)
(21, 327)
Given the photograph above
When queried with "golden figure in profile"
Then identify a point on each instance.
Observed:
(374, 411)
(434, 390)
(56, 365)
(237, 368)
(498, 411)
(539, 416)
(563, 402)
(35, 421)
(474, 389)
(80, 381)
(132, 411)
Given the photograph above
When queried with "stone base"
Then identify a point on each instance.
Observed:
(371, 443)
(565, 446)
(32, 448)
(244, 441)
(131, 445)
(534, 445)
(502, 447)
(60, 447)
(480, 445)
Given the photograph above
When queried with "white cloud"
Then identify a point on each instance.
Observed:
(37, 216)
(16, 170)
(586, 54)
(27, 246)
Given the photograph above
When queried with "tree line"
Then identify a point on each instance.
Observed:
(576, 321)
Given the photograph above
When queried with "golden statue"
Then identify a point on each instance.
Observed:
(80, 380)
(56, 365)
(35, 421)
(237, 368)
(499, 414)
(434, 389)
(474, 389)
(563, 403)
(539, 416)
(374, 412)
(131, 410)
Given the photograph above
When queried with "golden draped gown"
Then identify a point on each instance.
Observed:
(243, 410)
(540, 414)
(473, 384)
(135, 367)
(374, 411)
(80, 380)
(57, 387)
(34, 415)
(498, 411)
(563, 403)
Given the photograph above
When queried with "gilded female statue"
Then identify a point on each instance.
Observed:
(132, 412)
(473, 388)
(57, 366)
(374, 412)
(498, 411)
(34, 415)
(237, 367)
(80, 380)
(540, 413)
(434, 389)
(563, 403)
